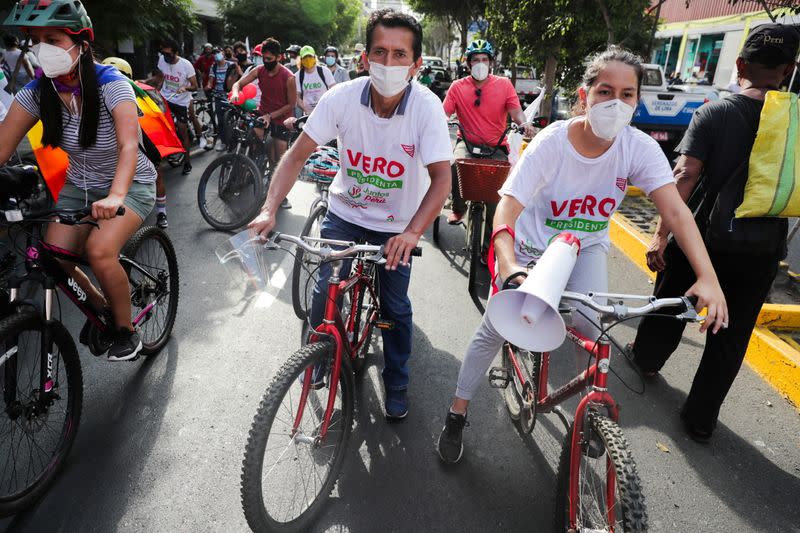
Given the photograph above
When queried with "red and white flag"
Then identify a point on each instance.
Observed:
(409, 149)
(622, 184)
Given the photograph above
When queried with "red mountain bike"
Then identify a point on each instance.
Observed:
(299, 435)
(598, 488)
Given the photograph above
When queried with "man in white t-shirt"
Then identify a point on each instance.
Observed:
(312, 81)
(177, 79)
(395, 155)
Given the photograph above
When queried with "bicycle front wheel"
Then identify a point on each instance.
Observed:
(609, 496)
(288, 474)
(154, 282)
(35, 438)
(230, 192)
(475, 242)
(305, 269)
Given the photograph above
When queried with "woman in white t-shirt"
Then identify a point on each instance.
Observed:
(572, 177)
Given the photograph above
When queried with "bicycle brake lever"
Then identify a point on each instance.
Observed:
(690, 315)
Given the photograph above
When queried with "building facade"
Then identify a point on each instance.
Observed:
(701, 43)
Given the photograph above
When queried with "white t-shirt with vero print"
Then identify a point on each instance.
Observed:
(565, 191)
(175, 77)
(383, 176)
(313, 88)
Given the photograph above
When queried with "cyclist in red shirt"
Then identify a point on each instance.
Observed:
(482, 103)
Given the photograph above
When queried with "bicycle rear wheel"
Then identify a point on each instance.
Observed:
(608, 484)
(305, 268)
(288, 475)
(34, 443)
(366, 313)
(475, 242)
(230, 192)
(154, 286)
(520, 399)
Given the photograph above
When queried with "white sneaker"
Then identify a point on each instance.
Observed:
(221, 147)
(203, 142)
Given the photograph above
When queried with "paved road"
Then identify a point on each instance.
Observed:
(161, 440)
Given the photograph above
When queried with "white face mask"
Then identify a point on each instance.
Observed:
(480, 71)
(388, 81)
(607, 119)
(55, 60)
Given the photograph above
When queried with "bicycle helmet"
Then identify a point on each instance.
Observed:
(122, 65)
(332, 49)
(480, 46)
(293, 49)
(67, 15)
(322, 165)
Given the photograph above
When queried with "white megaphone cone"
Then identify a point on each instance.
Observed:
(528, 317)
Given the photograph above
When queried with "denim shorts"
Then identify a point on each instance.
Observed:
(141, 197)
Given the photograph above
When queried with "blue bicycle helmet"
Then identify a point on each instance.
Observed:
(480, 46)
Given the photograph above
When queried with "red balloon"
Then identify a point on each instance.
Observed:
(248, 92)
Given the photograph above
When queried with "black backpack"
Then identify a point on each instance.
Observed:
(321, 75)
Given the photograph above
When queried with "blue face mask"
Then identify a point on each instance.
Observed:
(219, 56)
(330, 60)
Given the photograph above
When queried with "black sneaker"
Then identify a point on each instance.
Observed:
(285, 204)
(450, 445)
(126, 346)
(161, 221)
(187, 169)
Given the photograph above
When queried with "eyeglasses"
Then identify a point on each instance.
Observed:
(477, 97)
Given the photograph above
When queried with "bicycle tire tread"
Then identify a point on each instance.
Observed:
(141, 235)
(629, 487)
(252, 465)
(29, 319)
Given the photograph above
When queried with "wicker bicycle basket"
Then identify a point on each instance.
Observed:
(480, 179)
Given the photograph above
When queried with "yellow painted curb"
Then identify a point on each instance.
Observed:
(631, 241)
(776, 361)
(774, 358)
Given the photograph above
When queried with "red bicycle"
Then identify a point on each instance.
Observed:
(299, 435)
(598, 487)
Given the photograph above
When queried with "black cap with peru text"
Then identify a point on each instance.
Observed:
(771, 45)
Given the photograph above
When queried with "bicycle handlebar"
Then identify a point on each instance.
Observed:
(619, 310)
(329, 254)
(69, 217)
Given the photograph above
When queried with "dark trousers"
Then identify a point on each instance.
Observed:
(746, 281)
(393, 294)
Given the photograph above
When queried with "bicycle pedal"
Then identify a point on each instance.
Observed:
(384, 324)
(499, 378)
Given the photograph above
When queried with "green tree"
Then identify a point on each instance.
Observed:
(314, 22)
(460, 12)
(153, 19)
(437, 36)
(561, 34)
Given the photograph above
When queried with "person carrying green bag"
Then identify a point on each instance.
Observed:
(715, 172)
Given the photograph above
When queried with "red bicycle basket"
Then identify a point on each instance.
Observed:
(480, 179)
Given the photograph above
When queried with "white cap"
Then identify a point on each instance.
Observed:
(359, 47)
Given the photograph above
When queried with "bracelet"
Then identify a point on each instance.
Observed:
(501, 228)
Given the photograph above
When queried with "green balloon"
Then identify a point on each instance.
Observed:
(250, 105)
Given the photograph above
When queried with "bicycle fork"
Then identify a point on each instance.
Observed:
(598, 396)
(327, 328)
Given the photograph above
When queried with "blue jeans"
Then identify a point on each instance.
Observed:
(393, 295)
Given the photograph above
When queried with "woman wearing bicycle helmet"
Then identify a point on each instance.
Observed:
(571, 178)
(89, 111)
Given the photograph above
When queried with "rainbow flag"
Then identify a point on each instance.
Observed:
(53, 162)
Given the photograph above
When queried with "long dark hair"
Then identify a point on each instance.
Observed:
(50, 103)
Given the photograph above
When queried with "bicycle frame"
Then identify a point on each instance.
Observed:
(595, 376)
(334, 327)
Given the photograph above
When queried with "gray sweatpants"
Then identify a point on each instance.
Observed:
(590, 274)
